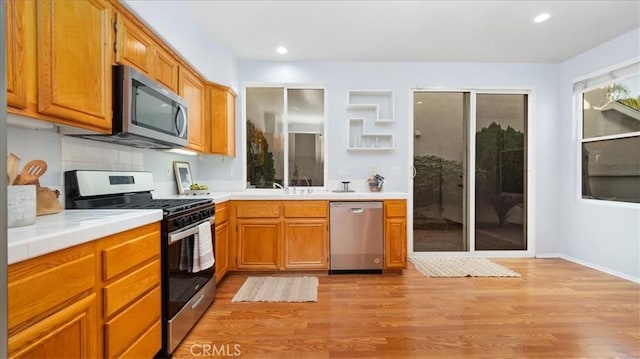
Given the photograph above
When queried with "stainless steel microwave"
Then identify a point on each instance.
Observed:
(145, 108)
(146, 114)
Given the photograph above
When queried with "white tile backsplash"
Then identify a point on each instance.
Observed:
(96, 155)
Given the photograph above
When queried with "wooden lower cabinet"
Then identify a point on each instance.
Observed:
(131, 298)
(222, 250)
(52, 305)
(221, 240)
(98, 299)
(305, 244)
(281, 235)
(258, 244)
(395, 234)
(68, 333)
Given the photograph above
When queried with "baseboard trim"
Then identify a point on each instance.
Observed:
(601, 269)
(548, 255)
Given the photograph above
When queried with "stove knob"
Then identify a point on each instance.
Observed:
(176, 222)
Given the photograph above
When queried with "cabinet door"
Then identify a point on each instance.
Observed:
(222, 250)
(223, 117)
(306, 244)
(16, 66)
(165, 69)
(395, 243)
(191, 89)
(69, 333)
(74, 62)
(258, 244)
(133, 46)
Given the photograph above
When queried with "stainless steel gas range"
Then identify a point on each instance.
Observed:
(186, 294)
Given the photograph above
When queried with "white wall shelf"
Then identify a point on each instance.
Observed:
(373, 108)
(379, 101)
(360, 139)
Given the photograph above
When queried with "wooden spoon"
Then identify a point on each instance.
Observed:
(32, 171)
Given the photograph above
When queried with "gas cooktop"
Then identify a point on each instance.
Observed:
(120, 190)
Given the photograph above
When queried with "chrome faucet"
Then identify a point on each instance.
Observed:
(278, 185)
(307, 181)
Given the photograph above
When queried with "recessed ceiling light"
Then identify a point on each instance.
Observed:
(281, 50)
(542, 17)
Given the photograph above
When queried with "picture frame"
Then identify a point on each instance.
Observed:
(184, 181)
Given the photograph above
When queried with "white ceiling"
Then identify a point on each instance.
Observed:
(432, 31)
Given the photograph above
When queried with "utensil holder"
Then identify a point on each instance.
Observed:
(21, 205)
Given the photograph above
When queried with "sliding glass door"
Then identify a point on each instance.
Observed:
(500, 177)
(439, 190)
(455, 212)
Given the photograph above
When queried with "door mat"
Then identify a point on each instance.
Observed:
(460, 267)
(278, 289)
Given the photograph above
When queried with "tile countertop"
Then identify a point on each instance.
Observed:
(268, 194)
(72, 227)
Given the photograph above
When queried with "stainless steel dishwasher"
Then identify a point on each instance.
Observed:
(356, 237)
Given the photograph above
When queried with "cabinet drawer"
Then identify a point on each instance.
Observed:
(123, 291)
(222, 213)
(148, 345)
(121, 257)
(42, 284)
(258, 209)
(395, 208)
(305, 209)
(132, 323)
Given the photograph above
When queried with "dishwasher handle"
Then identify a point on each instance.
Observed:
(356, 210)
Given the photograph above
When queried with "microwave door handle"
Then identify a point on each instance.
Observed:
(181, 121)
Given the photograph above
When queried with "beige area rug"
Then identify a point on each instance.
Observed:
(278, 289)
(461, 267)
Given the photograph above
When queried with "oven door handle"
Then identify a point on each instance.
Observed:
(188, 231)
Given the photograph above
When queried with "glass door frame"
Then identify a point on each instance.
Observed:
(470, 178)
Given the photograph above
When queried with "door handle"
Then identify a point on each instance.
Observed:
(414, 172)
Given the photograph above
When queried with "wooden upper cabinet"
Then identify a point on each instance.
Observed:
(223, 120)
(133, 46)
(191, 88)
(166, 68)
(16, 59)
(74, 62)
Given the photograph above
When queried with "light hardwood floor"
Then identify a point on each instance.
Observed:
(557, 309)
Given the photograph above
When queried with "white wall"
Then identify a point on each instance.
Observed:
(602, 235)
(339, 77)
(172, 21)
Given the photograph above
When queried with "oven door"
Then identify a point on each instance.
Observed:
(182, 284)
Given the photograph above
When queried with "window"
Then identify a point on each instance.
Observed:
(285, 136)
(610, 141)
